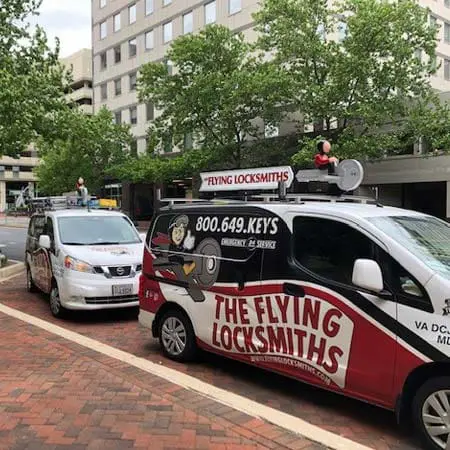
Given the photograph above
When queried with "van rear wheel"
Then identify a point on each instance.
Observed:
(177, 337)
(431, 413)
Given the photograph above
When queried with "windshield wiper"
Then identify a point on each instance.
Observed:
(104, 243)
(74, 243)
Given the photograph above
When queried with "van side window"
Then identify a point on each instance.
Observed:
(329, 248)
(38, 226)
(48, 230)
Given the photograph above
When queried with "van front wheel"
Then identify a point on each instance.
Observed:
(431, 413)
(177, 337)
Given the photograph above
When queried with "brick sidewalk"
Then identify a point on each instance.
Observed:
(55, 394)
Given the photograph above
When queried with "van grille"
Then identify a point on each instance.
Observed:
(111, 300)
(120, 271)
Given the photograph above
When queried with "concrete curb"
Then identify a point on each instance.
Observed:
(7, 225)
(10, 271)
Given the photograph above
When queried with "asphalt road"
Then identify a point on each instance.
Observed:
(14, 239)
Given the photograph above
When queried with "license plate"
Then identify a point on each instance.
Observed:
(122, 289)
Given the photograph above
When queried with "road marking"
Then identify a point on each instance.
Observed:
(4, 280)
(286, 421)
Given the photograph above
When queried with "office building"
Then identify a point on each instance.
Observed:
(81, 93)
(127, 34)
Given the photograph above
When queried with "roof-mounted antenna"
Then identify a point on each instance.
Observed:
(282, 191)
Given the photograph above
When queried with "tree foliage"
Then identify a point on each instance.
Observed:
(354, 70)
(88, 147)
(32, 81)
(217, 90)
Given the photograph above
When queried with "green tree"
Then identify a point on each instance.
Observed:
(359, 71)
(215, 93)
(32, 81)
(88, 147)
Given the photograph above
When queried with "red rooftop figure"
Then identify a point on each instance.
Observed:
(322, 161)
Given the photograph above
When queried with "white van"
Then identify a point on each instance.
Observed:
(342, 293)
(84, 259)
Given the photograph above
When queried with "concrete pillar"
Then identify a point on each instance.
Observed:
(2, 196)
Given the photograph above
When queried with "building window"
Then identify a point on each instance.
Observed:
(118, 86)
(103, 30)
(150, 109)
(117, 54)
(188, 141)
(132, 14)
(148, 7)
(133, 148)
(418, 54)
(210, 12)
(167, 2)
(167, 143)
(117, 22)
(447, 3)
(167, 32)
(447, 32)
(132, 48)
(118, 117)
(188, 23)
(104, 91)
(133, 81)
(271, 130)
(169, 66)
(103, 61)
(102, 3)
(234, 6)
(433, 21)
(342, 31)
(133, 115)
(149, 40)
(447, 69)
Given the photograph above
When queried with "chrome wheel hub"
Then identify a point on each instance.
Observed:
(436, 418)
(173, 336)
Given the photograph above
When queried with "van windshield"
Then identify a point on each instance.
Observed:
(96, 230)
(428, 238)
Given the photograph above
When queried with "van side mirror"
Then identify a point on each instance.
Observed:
(367, 275)
(44, 241)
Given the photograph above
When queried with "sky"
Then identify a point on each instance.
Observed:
(70, 20)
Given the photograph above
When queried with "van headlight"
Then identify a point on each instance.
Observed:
(77, 265)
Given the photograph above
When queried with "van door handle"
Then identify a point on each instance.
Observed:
(293, 289)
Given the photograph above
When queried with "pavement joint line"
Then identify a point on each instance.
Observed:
(283, 420)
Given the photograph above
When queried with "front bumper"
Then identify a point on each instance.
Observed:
(93, 292)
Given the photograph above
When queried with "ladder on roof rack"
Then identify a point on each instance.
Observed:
(173, 201)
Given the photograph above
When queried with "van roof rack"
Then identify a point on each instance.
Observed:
(302, 198)
(267, 198)
(61, 202)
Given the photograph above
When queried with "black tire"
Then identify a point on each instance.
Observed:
(31, 287)
(56, 308)
(175, 319)
(431, 386)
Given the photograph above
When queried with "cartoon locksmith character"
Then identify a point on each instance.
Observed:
(180, 241)
(175, 256)
(322, 160)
